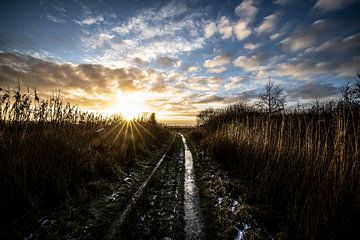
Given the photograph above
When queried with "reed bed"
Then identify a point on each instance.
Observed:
(303, 164)
(50, 150)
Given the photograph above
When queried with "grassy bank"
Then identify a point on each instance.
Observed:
(50, 150)
(304, 164)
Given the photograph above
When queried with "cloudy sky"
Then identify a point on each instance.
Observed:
(178, 57)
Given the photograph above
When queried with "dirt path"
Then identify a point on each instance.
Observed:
(159, 212)
(164, 205)
(193, 218)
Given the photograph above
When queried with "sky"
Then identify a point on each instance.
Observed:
(176, 58)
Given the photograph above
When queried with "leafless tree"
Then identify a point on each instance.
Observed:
(272, 99)
(351, 92)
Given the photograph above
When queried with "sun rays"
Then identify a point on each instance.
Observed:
(128, 135)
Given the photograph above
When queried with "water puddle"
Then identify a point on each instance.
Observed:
(193, 223)
(241, 233)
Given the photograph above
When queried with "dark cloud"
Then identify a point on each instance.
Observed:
(210, 99)
(140, 62)
(335, 57)
(313, 89)
(50, 76)
(166, 62)
(245, 96)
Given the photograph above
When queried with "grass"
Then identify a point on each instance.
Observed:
(303, 164)
(50, 150)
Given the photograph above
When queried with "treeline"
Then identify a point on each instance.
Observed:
(50, 150)
(304, 163)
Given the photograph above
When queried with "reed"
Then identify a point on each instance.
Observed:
(304, 164)
(51, 149)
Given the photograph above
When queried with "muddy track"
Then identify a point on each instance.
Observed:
(159, 213)
(162, 203)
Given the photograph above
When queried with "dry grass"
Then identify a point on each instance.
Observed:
(49, 150)
(304, 164)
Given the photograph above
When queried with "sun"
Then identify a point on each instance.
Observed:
(130, 106)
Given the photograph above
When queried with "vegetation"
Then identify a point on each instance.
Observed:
(305, 164)
(50, 150)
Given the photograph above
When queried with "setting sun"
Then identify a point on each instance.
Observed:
(130, 106)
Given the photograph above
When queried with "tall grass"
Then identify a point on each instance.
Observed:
(50, 149)
(304, 164)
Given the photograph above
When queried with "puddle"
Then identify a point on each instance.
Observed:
(193, 223)
(241, 233)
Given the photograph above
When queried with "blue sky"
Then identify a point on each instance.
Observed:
(178, 57)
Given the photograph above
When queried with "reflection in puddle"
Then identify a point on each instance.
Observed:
(193, 221)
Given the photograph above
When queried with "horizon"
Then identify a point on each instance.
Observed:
(176, 58)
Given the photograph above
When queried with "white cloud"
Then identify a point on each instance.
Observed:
(216, 70)
(268, 24)
(247, 10)
(91, 20)
(141, 37)
(247, 63)
(234, 82)
(295, 44)
(225, 28)
(241, 30)
(275, 36)
(96, 41)
(192, 69)
(330, 5)
(217, 61)
(210, 29)
(52, 18)
(251, 46)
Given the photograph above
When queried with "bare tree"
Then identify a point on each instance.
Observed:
(272, 98)
(351, 92)
(204, 116)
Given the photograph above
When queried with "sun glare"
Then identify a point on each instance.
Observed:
(130, 106)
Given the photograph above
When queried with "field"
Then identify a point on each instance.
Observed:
(302, 164)
(262, 171)
(54, 155)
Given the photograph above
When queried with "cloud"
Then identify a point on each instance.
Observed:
(283, 2)
(244, 96)
(234, 82)
(312, 90)
(192, 69)
(141, 37)
(216, 70)
(210, 29)
(225, 28)
(201, 83)
(336, 57)
(249, 64)
(330, 5)
(60, 9)
(91, 20)
(217, 61)
(242, 30)
(251, 46)
(210, 99)
(304, 37)
(52, 18)
(96, 41)
(296, 43)
(247, 10)
(167, 62)
(268, 24)
(48, 76)
(140, 62)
